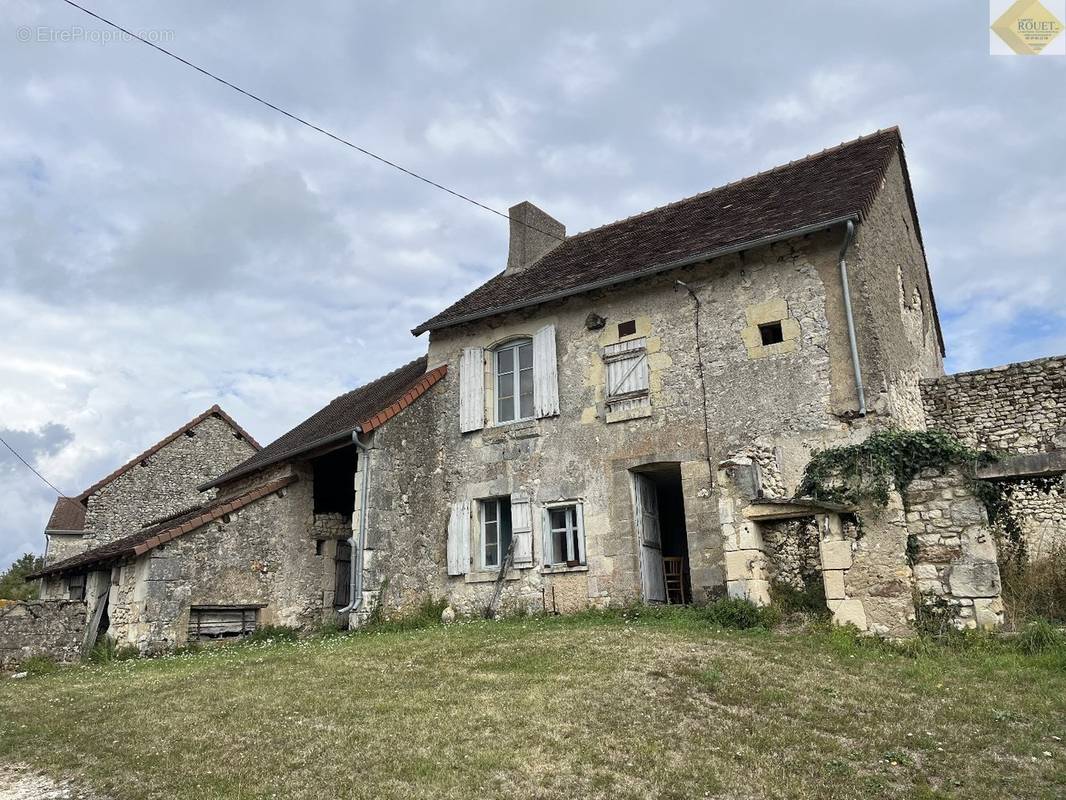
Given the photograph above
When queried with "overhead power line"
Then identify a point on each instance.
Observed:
(302, 121)
(30, 467)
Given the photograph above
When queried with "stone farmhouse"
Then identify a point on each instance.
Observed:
(96, 554)
(624, 415)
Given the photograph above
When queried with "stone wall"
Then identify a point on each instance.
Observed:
(894, 308)
(1016, 408)
(953, 550)
(165, 483)
(64, 545)
(792, 552)
(52, 628)
(1019, 408)
(261, 555)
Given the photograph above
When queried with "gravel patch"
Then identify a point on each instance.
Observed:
(22, 783)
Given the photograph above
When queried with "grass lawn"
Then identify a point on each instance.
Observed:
(557, 708)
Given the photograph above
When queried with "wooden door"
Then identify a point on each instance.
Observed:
(649, 534)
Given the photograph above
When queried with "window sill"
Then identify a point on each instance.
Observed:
(491, 576)
(624, 414)
(562, 570)
(521, 429)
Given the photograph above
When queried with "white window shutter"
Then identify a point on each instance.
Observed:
(459, 538)
(545, 538)
(472, 390)
(522, 530)
(627, 367)
(579, 513)
(545, 373)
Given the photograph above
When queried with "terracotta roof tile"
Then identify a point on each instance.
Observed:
(829, 186)
(151, 537)
(360, 408)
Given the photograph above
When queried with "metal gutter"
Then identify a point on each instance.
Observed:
(642, 273)
(849, 234)
(358, 538)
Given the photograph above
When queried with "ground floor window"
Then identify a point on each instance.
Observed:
(222, 622)
(495, 531)
(566, 536)
(76, 586)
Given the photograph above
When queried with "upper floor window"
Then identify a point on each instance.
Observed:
(525, 381)
(513, 369)
(627, 378)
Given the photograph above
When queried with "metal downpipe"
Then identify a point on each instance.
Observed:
(849, 234)
(358, 538)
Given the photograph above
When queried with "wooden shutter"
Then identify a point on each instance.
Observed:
(472, 390)
(627, 368)
(545, 538)
(459, 538)
(545, 373)
(522, 530)
(579, 520)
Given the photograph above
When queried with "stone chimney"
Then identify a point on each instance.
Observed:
(533, 233)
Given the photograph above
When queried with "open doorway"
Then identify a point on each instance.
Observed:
(659, 515)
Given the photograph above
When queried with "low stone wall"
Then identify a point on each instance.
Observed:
(952, 550)
(53, 628)
(1017, 407)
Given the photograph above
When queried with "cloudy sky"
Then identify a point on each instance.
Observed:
(166, 244)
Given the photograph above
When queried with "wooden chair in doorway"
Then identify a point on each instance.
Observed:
(674, 567)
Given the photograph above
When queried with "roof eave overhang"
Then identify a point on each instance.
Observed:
(645, 272)
(85, 566)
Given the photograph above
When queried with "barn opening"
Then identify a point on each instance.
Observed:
(334, 482)
(660, 521)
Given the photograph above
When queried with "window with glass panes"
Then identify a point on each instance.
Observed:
(566, 544)
(514, 381)
(495, 531)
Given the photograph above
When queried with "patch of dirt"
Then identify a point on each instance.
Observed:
(19, 782)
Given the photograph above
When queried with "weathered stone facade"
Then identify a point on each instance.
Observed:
(52, 628)
(261, 556)
(165, 483)
(767, 404)
(742, 368)
(254, 545)
(161, 483)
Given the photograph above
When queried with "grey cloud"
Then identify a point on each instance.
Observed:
(47, 440)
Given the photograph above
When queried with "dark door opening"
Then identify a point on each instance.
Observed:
(342, 566)
(660, 515)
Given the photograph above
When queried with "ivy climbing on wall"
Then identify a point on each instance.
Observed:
(864, 473)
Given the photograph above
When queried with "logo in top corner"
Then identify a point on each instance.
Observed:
(1028, 28)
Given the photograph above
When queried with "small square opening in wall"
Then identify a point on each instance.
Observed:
(627, 328)
(771, 333)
